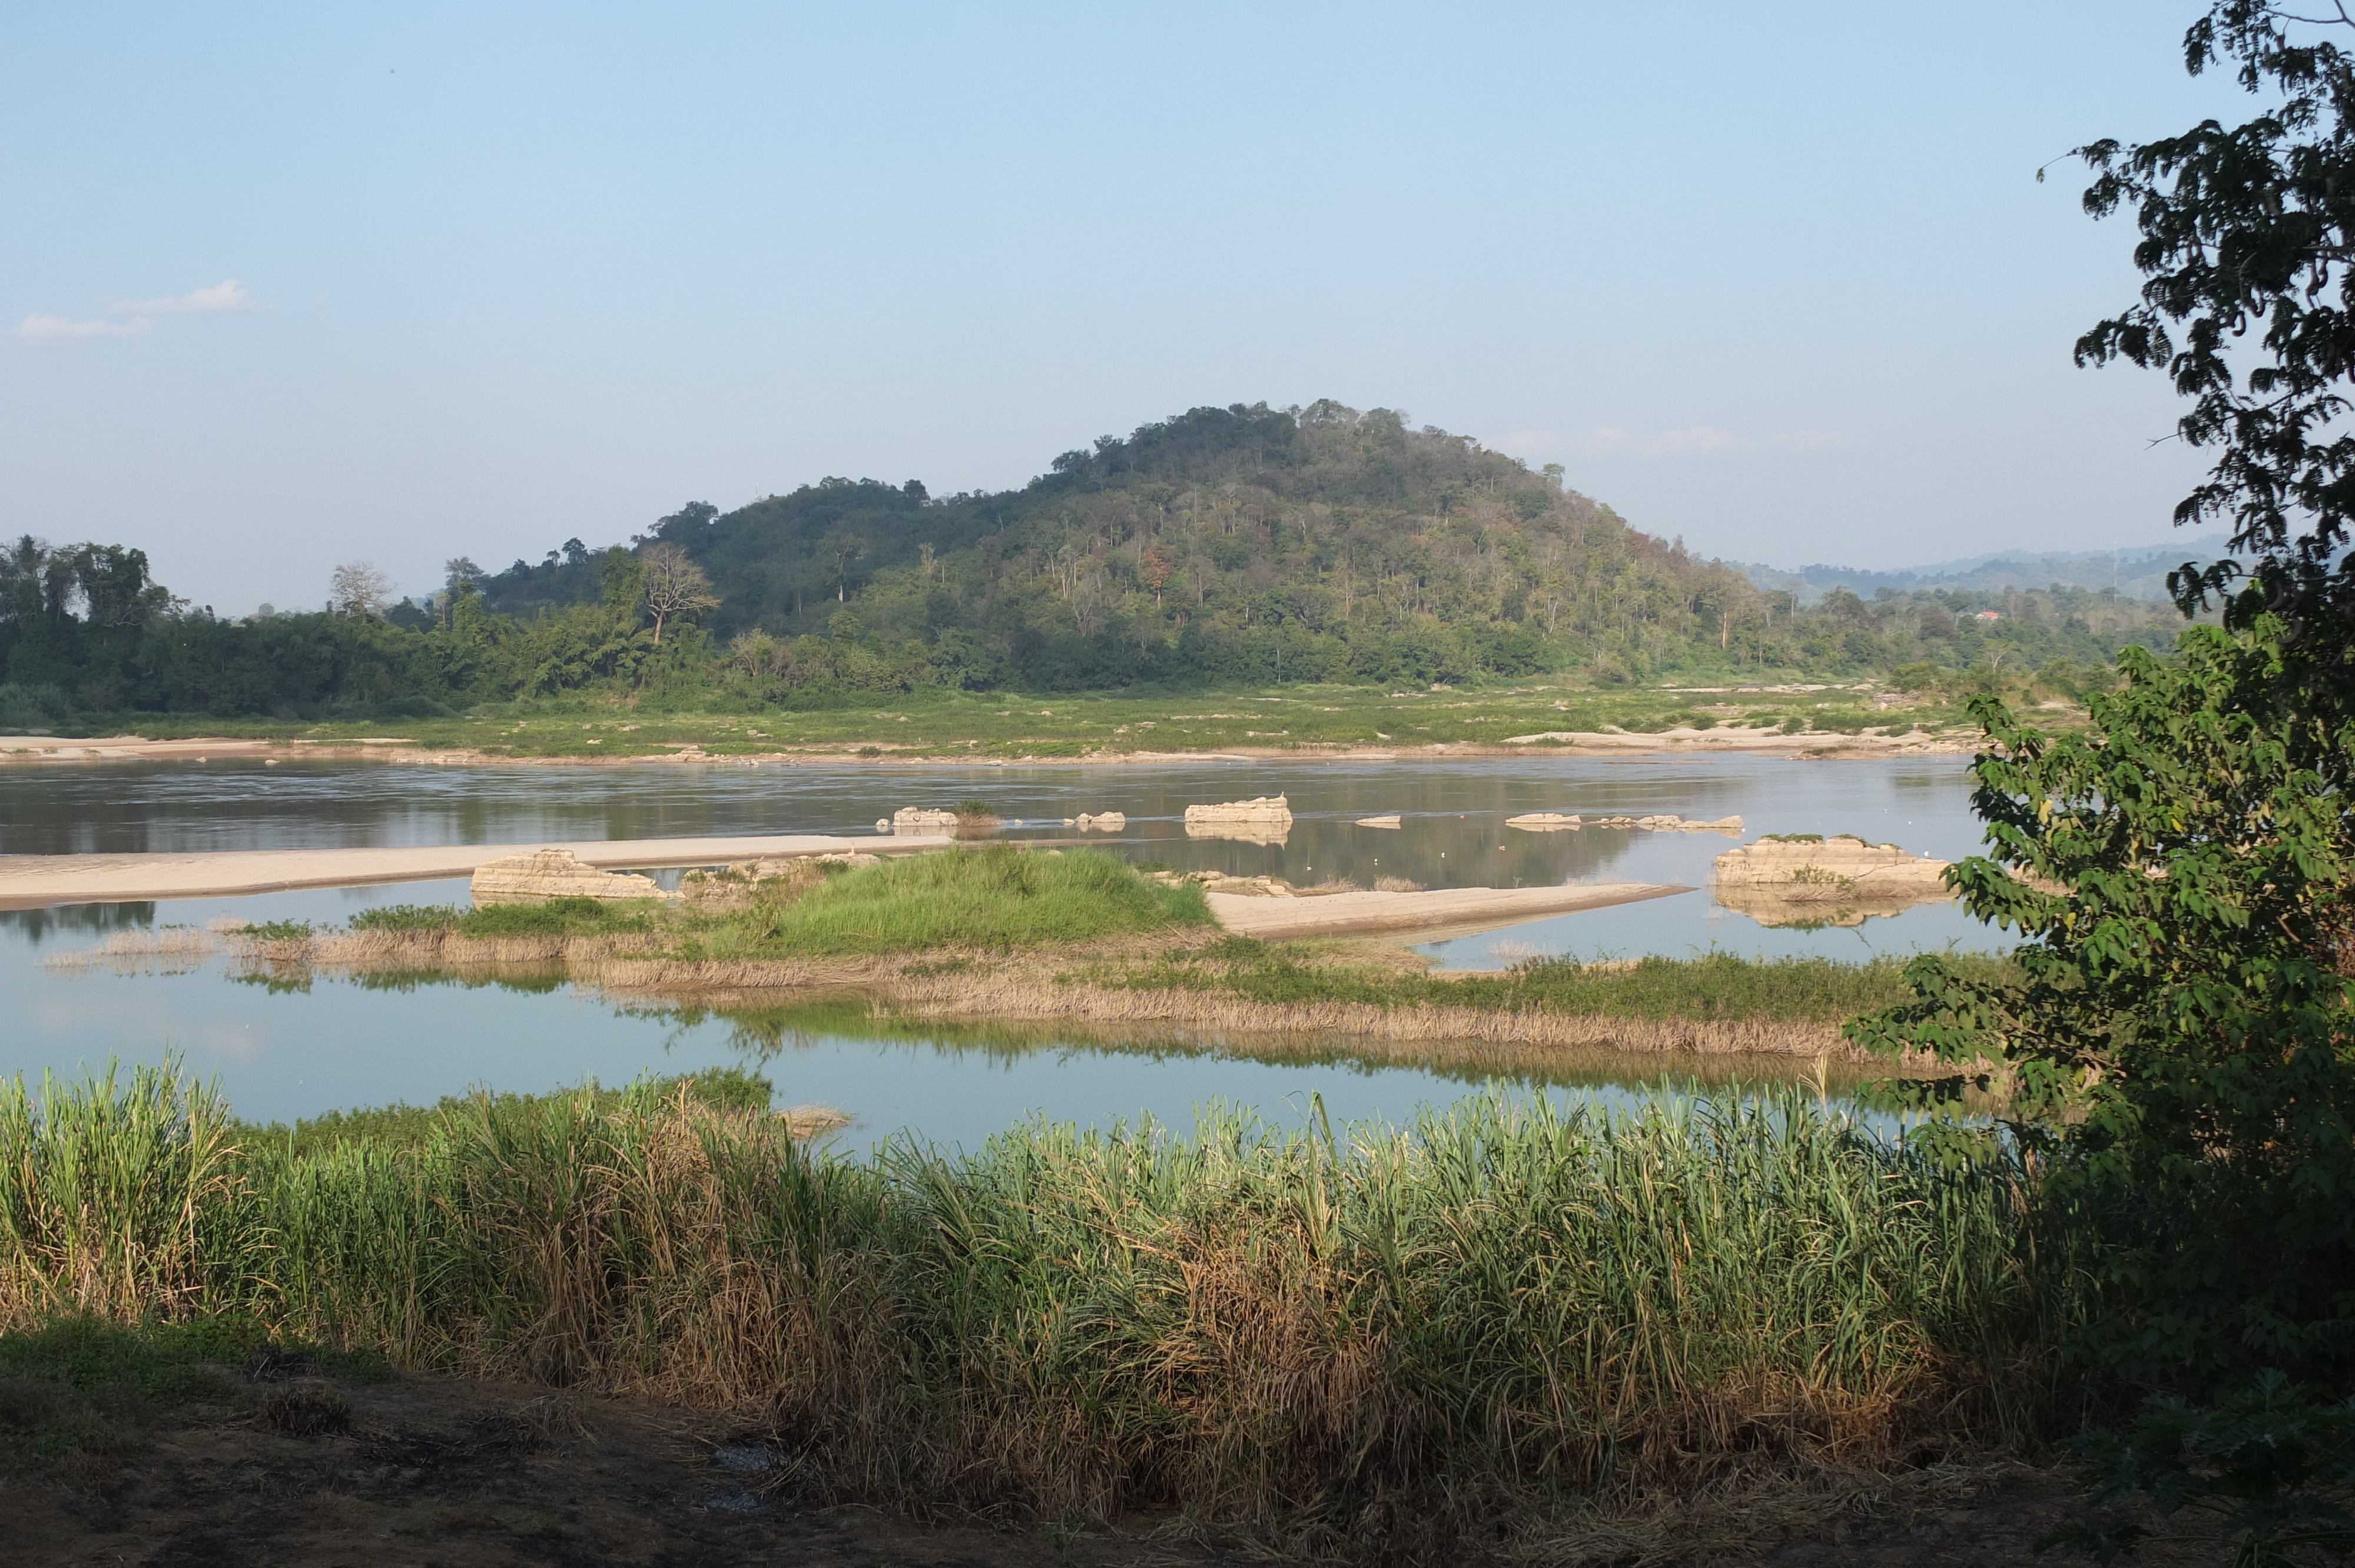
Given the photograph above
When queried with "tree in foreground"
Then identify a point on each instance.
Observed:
(2181, 1037)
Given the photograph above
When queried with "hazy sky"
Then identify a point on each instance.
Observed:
(286, 286)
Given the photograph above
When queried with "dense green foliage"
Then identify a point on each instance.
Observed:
(1240, 545)
(2184, 888)
(2254, 226)
(1376, 1339)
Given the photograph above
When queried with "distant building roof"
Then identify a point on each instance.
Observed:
(1989, 615)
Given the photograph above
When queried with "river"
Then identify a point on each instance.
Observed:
(281, 1053)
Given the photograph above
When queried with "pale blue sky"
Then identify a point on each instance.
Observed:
(1777, 278)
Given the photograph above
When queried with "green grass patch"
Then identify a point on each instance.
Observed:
(554, 917)
(1715, 986)
(996, 896)
(401, 1125)
(1070, 724)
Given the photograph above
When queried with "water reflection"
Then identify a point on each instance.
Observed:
(1451, 816)
(35, 926)
(288, 1045)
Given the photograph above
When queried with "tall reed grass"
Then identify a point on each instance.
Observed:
(1383, 1337)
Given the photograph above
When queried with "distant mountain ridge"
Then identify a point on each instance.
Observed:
(2135, 572)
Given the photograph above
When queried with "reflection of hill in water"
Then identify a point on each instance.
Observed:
(764, 1029)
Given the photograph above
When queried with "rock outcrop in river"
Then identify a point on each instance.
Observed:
(1265, 819)
(1837, 881)
(539, 875)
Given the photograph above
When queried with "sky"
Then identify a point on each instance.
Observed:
(282, 287)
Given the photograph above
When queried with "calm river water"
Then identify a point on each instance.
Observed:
(282, 1054)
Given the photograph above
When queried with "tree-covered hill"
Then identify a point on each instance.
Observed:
(1255, 544)
(1236, 545)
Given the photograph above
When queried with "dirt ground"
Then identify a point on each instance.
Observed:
(442, 1474)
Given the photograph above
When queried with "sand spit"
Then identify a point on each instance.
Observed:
(25, 749)
(1459, 909)
(31, 881)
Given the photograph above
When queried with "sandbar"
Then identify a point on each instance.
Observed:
(1460, 910)
(32, 881)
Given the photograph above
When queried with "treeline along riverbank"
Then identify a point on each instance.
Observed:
(1224, 545)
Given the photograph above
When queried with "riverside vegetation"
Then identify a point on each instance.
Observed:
(1224, 550)
(1494, 1325)
(1007, 933)
(1509, 1328)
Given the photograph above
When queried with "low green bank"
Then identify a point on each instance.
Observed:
(995, 896)
(1714, 986)
(1507, 1316)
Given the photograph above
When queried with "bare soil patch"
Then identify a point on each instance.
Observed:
(445, 1473)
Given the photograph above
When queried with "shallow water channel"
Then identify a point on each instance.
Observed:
(281, 1053)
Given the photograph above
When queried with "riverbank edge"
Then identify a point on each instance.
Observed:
(19, 750)
(960, 987)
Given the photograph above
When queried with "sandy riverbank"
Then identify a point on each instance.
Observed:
(47, 750)
(1456, 911)
(32, 881)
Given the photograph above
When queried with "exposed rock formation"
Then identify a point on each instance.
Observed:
(1842, 861)
(1262, 820)
(1269, 809)
(1392, 820)
(1102, 822)
(917, 819)
(1659, 823)
(1837, 881)
(539, 875)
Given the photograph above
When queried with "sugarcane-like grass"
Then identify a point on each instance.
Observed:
(1356, 1338)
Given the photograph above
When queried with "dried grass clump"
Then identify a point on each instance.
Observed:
(169, 949)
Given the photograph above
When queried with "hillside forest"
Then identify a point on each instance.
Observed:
(1243, 545)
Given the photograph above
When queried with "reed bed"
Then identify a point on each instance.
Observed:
(1368, 1344)
(170, 949)
(1528, 1026)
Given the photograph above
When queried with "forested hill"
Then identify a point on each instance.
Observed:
(1257, 543)
(1216, 542)
(1236, 545)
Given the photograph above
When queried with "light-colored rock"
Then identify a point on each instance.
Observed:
(1262, 834)
(1268, 808)
(1265, 819)
(882, 824)
(1840, 865)
(1543, 822)
(537, 875)
(919, 820)
(1392, 820)
(1667, 823)
(1102, 822)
